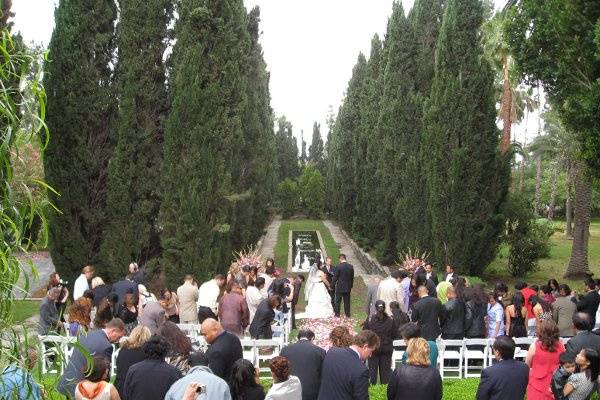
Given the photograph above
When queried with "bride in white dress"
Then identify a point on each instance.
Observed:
(316, 295)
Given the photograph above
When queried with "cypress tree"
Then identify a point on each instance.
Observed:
(133, 195)
(203, 135)
(80, 114)
(466, 177)
(286, 150)
(316, 149)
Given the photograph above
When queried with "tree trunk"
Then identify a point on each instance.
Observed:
(538, 183)
(569, 204)
(578, 264)
(554, 184)
(506, 108)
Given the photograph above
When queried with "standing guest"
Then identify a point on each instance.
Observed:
(541, 309)
(501, 290)
(129, 312)
(372, 290)
(442, 291)
(421, 280)
(475, 312)
(343, 280)
(516, 314)
(49, 318)
(449, 274)
(95, 386)
(235, 274)
(418, 379)
(543, 360)
(208, 296)
(581, 385)
(151, 379)
(527, 293)
(107, 311)
(153, 316)
(430, 274)
(306, 362)
(124, 286)
(405, 283)
(260, 328)
(563, 310)
(61, 302)
(131, 352)
(381, 359)
(233, 310)
(583, 338)
(495, 317)
(100, 290)
(224, 350)
(216, 388)
(412, 331)
(328, 268)
(285, 386)
(547, 296)
(561, 375)
(453, 326)
(268, 275)
(188, 298)
(79, 317)
(419, 268)
(589, 303)
(345, 375)
(17, 381)
(254, 296)
(506, 379)
(81, 283)
(137, 273)
(340, 337)
(554, 286)
(296, 286)
(390, 289)
(98, 342)
(245, 382)
(399, 317)
(181, 346)
(170, 302)
(428, 313)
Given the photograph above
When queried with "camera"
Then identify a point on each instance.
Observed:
(201, 389)
(62, 284)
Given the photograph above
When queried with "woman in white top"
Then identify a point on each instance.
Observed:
(95, 386)
(285, 386)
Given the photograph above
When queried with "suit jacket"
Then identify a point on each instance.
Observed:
(122, 287)
(415, 383)
(260, 328)
(306, 362)
(505, 380)
(434, 278)
(222, 353)
(372, 290)
(343, 278)
(589, 305)
(562, 313)
(584, 339)
(96, 343)
(428, 313)
(150, 380)
(188, 298)
(153, 316)
(344, 377)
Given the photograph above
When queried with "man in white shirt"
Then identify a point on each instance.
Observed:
(82, 283)
(254, 296)
(208, 296)
(390, 290)
(449, 273)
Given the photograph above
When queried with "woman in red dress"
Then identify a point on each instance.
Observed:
(542, 359)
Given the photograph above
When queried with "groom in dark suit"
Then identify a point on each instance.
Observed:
(343, 280)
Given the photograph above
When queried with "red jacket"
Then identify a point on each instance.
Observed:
(527, 293)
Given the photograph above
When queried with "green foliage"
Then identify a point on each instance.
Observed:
(466, 177)
(286, 151)
(288, 197)
(133, 198)
(316, 149)
(81, 109)
(312, 191)
(281, 247)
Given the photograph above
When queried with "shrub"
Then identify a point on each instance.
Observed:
(312, 190)
(288, 196)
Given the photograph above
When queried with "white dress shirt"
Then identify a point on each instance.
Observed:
(81, 285)
(449, 277)
(391, 290)
(253, 298)
(208, 293)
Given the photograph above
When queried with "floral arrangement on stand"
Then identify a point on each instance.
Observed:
(249, 256)
(408, 260)
(322, 327)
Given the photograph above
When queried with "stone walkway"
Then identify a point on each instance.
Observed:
(267, 248)
(44, 267)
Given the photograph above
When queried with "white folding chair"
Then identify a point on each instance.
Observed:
(113, 361)
(55, 352)
(399, 350)
(452, 351)
(191, 330)
(522, 347)
(249, 350)
(266, 349)
(531, 324)
(66, 328)
(475, 350)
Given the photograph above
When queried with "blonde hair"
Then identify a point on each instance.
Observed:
(138, 336)
(87, 268)
(418, 352)
(97, 281)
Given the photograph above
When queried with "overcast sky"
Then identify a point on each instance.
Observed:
(310, 47)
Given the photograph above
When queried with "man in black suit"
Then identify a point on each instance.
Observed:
(343, 280)
(507, 379)
(297, 285)
(431, 274)
(306, 362)
(345, 376)
(584, 338)
(224, 350)
(428, 313)
(589, 303)
(328, 269)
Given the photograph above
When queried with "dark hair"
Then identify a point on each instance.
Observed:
(500, 287)
(421, 279)
(410, 331)
(368, 338)
(274, 301)
(280, 368)
(112, 298)
(553, 283)
(242, 376)
(198, 358)
(590, 283)
(394, 305)
(505, 345)
(260, 281)
(546, 289)
(520, 285)
(279, 287)
(548, 334)
(342, 256)
(460, 285)
(395, 274)
(518, 300)
(566, 357)
(97, 369)
(219, 277)
(592, 356)
(301, 277)
(581, 321)
(381, 315)
(535, 288)
(493, 295)
(306, 334)
(533, 300)
(180, 343)
(156, 348)
(90, 294)
(479, 296)
(565, 287)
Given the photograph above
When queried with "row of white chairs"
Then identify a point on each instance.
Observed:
(466, 358)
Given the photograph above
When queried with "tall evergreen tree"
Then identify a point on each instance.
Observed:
(133, 195)
(303, 155)
(81, 107)
(286, 150)
(203, 136)
(317, 149)
(466, 177)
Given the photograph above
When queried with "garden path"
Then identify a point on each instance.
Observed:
(267, 247)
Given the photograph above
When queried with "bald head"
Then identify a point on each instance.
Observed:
(423, 291)
(211, 329)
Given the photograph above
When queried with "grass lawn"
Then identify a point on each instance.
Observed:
(23, 309)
